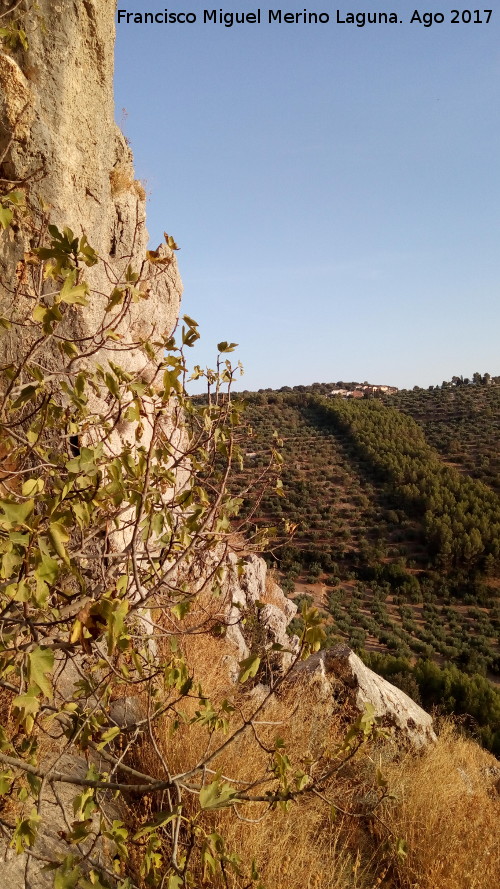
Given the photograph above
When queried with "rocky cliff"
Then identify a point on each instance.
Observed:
(60, 145)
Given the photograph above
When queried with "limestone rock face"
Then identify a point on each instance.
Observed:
(58, 139)
(341, 665)
(253, 581)
(22, 872)
(253, 586)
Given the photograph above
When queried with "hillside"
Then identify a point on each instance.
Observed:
(463, 423)
(159, 728)
(396, 517)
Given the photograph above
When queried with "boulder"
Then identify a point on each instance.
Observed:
(393, 707)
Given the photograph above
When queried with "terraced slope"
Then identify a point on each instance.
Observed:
(462, 423)
(398, 543)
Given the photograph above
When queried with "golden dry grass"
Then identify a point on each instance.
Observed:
(448, 811)
(446, 805)
(299, 849)
(122, 180)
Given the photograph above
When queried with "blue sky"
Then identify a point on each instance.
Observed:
(334, 189)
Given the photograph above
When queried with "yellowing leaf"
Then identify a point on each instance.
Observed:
(71, 292)
(59, 536)
(248, 667)
(32, 486)
(216, 795)
(108, 736)
(27, 703)
(170, 242)
(6, 216)
(76, 632)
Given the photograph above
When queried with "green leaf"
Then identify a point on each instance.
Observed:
(35, 784)
(87, 252)
(17, 197)
(15, 513)
(216, 795)
(48, 316)
(112, 385)
(84, 804)
(69, 348)
(248, 667)
(159, 820)
(67, 875)
(79, 831)
(40, 666)
(47, 570)
(6, 216)
(26, 394)
(367, 719)
(19, 592)
(315, 636)
(59, 536)
(181, 609)
(115, 617)
(71, 292)
(23, 38)
(6, 779)
(10, 562)
(25, 833)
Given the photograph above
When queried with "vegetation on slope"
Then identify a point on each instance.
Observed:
(400, 548)
(460, 515)
(462, 422)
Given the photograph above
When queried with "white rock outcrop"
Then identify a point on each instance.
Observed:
(340, 665)
(251, 591)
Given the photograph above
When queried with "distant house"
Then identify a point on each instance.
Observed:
(361, 389)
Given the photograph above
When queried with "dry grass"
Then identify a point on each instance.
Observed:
(449, 814)
(446, 806)
(122, 180)
(304, 849)
(299, 849)
(447, 809)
